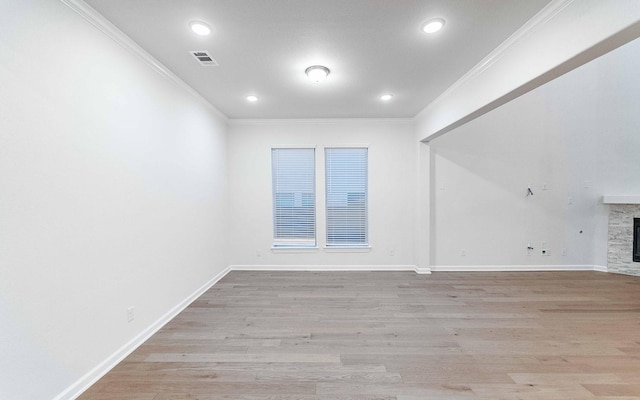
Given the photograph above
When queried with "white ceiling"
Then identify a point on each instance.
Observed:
(371, 46)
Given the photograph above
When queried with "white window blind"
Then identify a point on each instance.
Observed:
(294, 197)
(347, 196)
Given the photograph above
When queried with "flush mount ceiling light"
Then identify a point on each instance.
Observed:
(433, 25)
(251, 98)
(317, 73)
(386, 97)
(200, 28)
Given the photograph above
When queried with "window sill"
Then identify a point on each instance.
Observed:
(347, 249)
(294, 249)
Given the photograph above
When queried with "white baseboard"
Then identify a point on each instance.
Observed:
(319, 268)
(514, 268)
(91, 377)
(422, 270)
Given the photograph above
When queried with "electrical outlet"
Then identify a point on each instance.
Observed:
(570, 201)
(130, 314)
(529, 249)
(392, 252)
(545, 186)
(563, 251)
(258, 253)
(463, 253)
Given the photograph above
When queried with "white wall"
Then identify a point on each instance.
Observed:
(578, 134)
(112, 194)
(392, 191)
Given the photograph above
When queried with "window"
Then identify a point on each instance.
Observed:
(294, 197)
(346, 180)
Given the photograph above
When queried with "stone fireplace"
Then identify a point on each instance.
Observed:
(623, 255)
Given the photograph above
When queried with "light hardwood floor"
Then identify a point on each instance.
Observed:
(394, 335)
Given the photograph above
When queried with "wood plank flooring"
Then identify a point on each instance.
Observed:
(394, 335)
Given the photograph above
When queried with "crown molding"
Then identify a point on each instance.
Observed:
(542, 17)
(103, 25)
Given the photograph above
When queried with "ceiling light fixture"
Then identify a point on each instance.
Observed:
(251, 98)
(200, 28)
(433, 25)
(317, 73)
(386, 97)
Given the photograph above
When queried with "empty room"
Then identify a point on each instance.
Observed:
(348, 199)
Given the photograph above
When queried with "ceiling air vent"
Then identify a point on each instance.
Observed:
(204, 58)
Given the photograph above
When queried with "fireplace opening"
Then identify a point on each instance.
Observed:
(636, 240)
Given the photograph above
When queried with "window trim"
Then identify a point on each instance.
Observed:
(347, 249)
(295, 249)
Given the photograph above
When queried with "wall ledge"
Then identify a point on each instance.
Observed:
(610, 199)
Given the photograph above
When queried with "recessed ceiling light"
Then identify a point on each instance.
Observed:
(433, 25)
(200, 28)
(317, 73)
(386, 97)
(252, 98)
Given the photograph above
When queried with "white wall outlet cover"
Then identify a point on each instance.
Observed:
(130, 314)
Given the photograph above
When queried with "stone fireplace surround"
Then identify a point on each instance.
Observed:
(622, 211)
